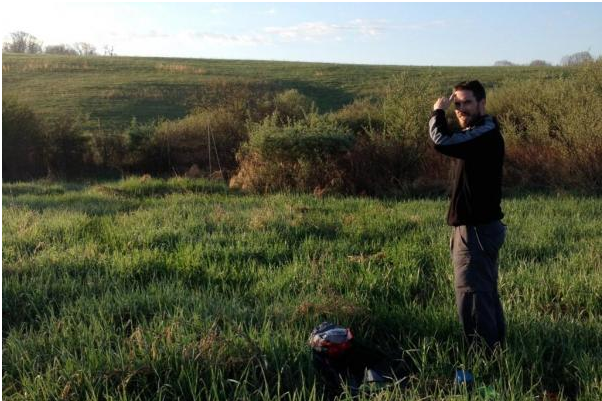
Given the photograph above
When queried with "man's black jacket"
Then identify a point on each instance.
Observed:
(478, 154)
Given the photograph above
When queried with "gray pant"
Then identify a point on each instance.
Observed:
(474, 251)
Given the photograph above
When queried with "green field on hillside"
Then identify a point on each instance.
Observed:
(112, 90)
(182, 289)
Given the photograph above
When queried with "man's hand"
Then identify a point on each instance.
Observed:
(443, 103)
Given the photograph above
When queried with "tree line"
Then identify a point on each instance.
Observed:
(26, 43)
(23, 42)
(568, 60)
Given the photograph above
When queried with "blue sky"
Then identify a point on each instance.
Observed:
(359, 33)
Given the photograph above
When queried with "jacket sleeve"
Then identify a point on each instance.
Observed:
(461, 144)
(438, 126)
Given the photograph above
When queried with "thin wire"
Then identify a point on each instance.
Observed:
(209, 148)
(217, 154)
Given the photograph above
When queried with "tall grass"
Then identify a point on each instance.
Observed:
(153, 289)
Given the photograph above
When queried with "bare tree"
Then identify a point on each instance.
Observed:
(576, 58)
(503, 63)
(108, 50)
(60, 49)
(22, 42)
(85, 49)
(34, 47)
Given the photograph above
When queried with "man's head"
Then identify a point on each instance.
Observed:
(469, 99)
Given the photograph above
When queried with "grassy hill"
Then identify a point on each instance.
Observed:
(112, 90)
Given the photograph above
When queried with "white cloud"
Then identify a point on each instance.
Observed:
(224, 39)
(313, 31)
(219, 11)
(304, 31)
(129, 35)
(421, 26)
(369, 28)
(189, 37)
(307, 31)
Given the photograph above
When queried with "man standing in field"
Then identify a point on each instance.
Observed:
(474, 212)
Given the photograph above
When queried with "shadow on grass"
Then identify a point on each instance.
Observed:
(518, 193)
(541, 357)
(525, 193)
(29, 295)
(94, 205)
(40, 188)
(102, 199)
(137, 188)
(326, 98)
(556, 353)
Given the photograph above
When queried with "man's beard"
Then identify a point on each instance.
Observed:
(468, 120)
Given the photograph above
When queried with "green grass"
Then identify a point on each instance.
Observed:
(157, 289)
(112, 90)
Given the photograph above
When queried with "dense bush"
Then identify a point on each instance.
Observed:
(207, 138)
(59, 148)
(553, 130)
(140, 155)
(324, 155)
(23, 142)
(407, 108)
(308, 154)
(381, 165)
(68, 148)
(361, 117)
(111, 156)
(291, 105)
(391, 153)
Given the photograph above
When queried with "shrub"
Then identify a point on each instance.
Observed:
(380, 165)
(587, 123)
(23, 142)
(68, 153)
(311, 139)
(553, 130)
(361, 117)
(404, 158)
(110, 153)
(292, 105)
(364, 148)
(309, 154)
(407, 107)
(208, 138)
(140, 157)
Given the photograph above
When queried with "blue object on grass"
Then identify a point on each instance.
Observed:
(464, 377)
